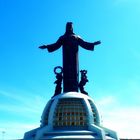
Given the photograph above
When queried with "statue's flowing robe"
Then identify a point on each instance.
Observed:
(70, 43)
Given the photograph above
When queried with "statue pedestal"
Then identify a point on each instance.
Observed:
(72, 116)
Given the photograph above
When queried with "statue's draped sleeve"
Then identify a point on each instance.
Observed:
(54, 46)
(85, 45)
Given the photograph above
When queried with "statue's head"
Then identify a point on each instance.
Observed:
(69, 28)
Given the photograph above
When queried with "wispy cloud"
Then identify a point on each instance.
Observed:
(23, 97)
(124, 120)
(27, 105)
(108, 100)
(16, 130)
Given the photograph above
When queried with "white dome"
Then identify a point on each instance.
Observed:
(70, 110)
(70, 116)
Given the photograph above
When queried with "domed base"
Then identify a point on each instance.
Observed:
(72, 116)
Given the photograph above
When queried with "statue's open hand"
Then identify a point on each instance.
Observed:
(43, 47)
(97, 42)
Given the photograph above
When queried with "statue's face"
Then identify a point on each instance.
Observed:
(69, 27)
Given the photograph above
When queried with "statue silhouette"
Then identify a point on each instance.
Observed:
(58, 82)
(70, 42)
(83, 81)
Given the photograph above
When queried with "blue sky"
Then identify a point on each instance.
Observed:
(26, 73)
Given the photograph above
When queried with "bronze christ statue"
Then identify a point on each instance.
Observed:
(70, 42)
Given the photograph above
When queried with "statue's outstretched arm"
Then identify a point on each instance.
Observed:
(52, 47)
(87, 45)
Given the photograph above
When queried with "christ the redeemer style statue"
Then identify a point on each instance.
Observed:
(70, 42)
